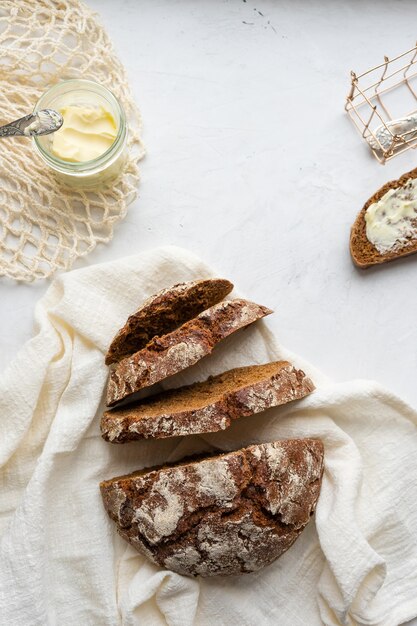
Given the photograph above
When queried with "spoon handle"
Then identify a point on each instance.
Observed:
(42, 122)
(15, 128)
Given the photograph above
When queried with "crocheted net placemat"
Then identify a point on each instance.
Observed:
(43, 225)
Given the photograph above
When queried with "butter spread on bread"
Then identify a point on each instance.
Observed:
(389, 230)
(392, 221)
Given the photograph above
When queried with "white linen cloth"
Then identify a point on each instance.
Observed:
(61, 561)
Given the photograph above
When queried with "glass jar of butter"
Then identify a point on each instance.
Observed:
(89, 148)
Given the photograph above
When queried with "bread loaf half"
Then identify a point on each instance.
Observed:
(162, 313)
(172, 353)
(363, 252)
(222, 515)
(208, 406)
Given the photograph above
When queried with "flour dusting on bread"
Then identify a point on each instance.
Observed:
(220, 515)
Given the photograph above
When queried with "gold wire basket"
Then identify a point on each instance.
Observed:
(378, 92)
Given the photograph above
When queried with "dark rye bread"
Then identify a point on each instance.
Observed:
(207, 406)
(363, 252)
(222, 515)
(164, 312)
(172, 353)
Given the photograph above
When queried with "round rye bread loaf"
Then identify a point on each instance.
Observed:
(163, 312)
(220, 515)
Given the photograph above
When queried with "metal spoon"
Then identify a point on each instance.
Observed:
(42, 122)
(405, 127)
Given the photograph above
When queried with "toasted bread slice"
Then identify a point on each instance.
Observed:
(172, 353)
(363, 252)
(207, 406)
(164, 312)
(221, 515)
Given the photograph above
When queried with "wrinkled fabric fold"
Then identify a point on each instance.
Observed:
(61, 560)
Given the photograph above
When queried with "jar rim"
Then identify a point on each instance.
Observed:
(83, 167)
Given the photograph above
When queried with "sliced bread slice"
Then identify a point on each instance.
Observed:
(207, 406)
(363, 252)
(220, 515)
(164, 312)
(172, 353)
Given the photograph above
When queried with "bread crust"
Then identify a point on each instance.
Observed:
(222, 515)
(363, 252)
(209, 406)
(172, 353)
(165, 311)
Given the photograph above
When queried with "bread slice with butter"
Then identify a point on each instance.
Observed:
(386, 228)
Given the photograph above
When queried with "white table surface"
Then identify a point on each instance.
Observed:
(253, 164)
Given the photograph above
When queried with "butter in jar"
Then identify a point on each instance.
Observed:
(87, 133)
(89, 148)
